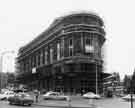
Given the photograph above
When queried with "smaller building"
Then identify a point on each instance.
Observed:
(112, 86)
(3, 80)
(7, 80)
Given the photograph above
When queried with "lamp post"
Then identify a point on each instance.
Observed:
(1, 66)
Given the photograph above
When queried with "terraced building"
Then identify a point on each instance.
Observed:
(66, 56)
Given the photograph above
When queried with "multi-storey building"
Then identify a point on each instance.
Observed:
(3, 80)
(113, 85)
(67, 56)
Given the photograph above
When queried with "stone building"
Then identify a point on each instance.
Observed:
(66, 56)
(3, 80)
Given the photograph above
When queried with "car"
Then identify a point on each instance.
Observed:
(91, 95)
(21, 99)
(128, 97)
(55, 96)
(6, 95)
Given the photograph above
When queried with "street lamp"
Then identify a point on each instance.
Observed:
(1, 65)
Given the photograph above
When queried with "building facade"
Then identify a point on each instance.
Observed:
(3, 80)
(113, 86)
(67, 56)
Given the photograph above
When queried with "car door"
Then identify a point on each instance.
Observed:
(16, 99)
(53, 96)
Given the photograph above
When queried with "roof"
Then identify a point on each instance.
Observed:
(56, 22)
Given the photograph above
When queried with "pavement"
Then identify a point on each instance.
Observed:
(76, 102)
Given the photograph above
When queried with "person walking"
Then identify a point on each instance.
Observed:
(37, 93)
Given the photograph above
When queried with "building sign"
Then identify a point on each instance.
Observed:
(34, 70)
(89, 49)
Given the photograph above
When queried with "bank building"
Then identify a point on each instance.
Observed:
(65, 57)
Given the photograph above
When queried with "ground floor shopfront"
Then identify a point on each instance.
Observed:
(71, 78)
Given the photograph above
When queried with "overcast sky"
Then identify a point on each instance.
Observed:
(23, 20)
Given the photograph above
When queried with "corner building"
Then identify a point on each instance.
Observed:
(67, 56)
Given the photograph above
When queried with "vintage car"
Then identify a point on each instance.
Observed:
(54, 96)
(6, 95)
(128, 97)
(91, 95)
(21, 99)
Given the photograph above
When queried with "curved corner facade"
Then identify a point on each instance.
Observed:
(66, 57)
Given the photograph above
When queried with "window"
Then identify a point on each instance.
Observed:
(71, 47)
(39, 58)
(34, 59)
(51, 55)
(89, 48)
(46, 54)
(62, 48)
(58, 51)
(43, 57)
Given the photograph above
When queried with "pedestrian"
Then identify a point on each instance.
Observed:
(37, 93)
(82, 91)
(69, 101)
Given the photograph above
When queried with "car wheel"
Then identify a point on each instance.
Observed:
(29, 104)
(21, 103)
(10, 103)
(3, 98)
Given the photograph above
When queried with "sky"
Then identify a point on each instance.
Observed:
(23, 20)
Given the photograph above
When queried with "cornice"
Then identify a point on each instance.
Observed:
(48, 41)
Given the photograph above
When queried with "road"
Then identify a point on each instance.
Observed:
(113, 103)
(103, 103)
(5, 104)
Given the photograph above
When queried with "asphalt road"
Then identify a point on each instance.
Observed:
(113, 103)
(103, 103)
(5, 104)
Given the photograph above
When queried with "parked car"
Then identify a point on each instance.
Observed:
(6, 95)
(55, 96)
(4, 90)
(21, 99)
(91, 95)
(128, 97)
